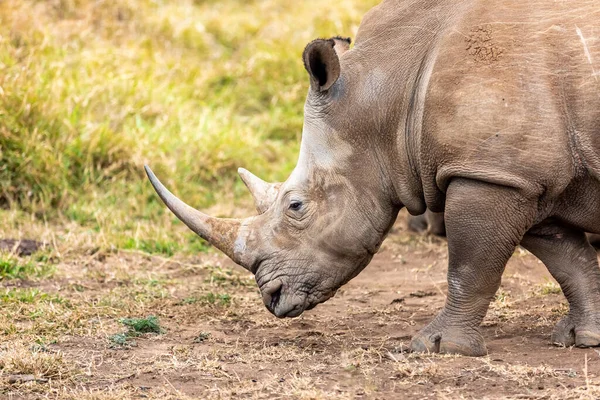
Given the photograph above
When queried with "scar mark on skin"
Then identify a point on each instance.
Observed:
(481, 45)
(586, 51)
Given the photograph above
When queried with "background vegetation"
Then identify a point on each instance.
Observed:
(90, 90)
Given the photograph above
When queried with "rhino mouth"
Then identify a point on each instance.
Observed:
(280, 301)
(284, 302)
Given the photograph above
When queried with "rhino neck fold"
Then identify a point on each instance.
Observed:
(414, 31)
(410, 187)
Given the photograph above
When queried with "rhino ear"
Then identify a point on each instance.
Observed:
(342, 45)
(322, 63)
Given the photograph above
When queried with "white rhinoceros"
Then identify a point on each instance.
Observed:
(487, 110)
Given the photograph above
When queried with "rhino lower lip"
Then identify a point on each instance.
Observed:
(293, 312)
(288, 311)
(312, 305)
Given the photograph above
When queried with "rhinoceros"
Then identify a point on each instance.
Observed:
(486, 110)
(433, 223)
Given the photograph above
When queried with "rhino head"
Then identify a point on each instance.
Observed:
(321, 227)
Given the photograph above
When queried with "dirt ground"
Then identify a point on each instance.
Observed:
(351, 347)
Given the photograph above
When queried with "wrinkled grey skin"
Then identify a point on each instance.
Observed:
(489, 111)
(433, 224)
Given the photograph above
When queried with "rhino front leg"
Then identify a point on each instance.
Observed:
(573, 262)
(484, 224)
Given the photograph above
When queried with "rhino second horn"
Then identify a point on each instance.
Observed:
(220, 232)
(264, 193)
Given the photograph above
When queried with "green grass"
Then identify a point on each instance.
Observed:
(167, 248)
(28, 296)
(210, 298)
(221, 299)
(13, 267)
(548, 288)
(90, 93)
(138, 326)
(121, 340)
(135, 327)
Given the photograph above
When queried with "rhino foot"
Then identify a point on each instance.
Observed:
(585, 333)
(435, 338)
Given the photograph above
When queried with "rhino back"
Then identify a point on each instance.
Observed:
(514, 98)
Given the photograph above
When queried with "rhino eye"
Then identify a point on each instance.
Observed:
(295, 205)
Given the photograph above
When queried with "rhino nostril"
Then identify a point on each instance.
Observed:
(275, 298)
(272, 294)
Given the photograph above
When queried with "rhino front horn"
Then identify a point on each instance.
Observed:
(264, 193)
(223, 233)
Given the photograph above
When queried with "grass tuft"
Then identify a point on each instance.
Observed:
(548, 288)
(12, 267)
(167, 248)
(135, 328)
(210, 298)
(28, 296)
(138, 326)
(121, 340)
(19, 360)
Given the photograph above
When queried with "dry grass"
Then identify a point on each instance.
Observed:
(60, 329)
(410, 373)
(245, 352)
(90, 91)
(547, 288)
(521, 374)
(18, 359)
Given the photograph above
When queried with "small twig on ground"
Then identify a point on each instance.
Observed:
(25, 378)
(126, 377)
(585, 373)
